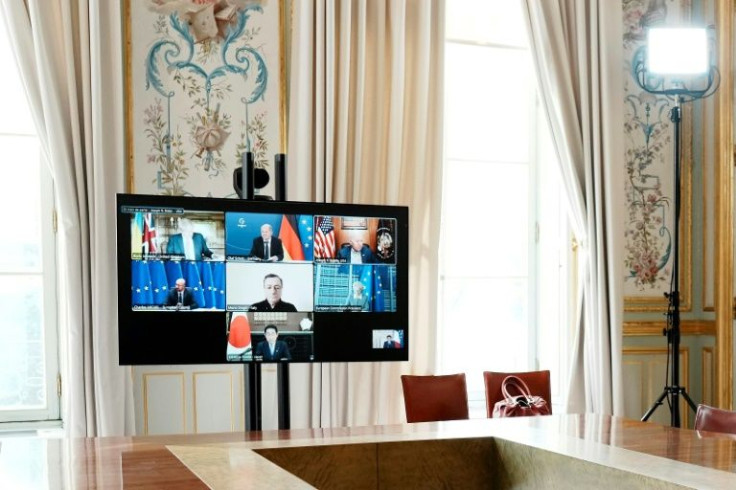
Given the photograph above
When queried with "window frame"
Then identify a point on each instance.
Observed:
(26, 418)
(18, 125)
(557, 359)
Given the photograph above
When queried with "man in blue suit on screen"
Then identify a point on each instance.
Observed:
(272, 349)
(267, 247)
(356, 252)
(191, 245)
(181, 296)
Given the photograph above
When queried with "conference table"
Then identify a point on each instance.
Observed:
(557, 451)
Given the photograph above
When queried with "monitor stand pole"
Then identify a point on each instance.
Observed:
(282, 386)
(254, 400)
(252, 395)
(253, 375)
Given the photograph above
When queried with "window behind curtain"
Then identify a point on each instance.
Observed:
(28, 342)
(503, 261)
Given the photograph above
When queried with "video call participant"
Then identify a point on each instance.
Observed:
(390, 343)
(191, 245)
(272, 349)
(357, 252)
(358, 298)
(272, 285)
(267, 247)
(181, 295)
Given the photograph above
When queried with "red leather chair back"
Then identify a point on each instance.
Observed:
(715, 420)
(538, 382)
(433, 398)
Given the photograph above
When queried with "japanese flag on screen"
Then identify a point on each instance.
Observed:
(238, 338)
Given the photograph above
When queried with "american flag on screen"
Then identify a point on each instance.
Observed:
(324, 238)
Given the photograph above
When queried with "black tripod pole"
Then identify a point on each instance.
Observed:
(672, 331)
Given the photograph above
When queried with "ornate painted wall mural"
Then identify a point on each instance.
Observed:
(649, 152)
(203, 87)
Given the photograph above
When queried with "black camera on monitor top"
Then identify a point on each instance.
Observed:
(258, 178)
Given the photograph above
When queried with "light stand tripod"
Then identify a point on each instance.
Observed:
(672, 330)
(696, 64)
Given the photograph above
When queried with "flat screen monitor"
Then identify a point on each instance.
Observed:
(208, 280)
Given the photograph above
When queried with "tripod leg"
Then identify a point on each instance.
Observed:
(654, 407)
(689, 400)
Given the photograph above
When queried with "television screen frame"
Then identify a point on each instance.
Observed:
(228, 282)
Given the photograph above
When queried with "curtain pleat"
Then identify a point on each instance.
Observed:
(369, 129)
(576, 50)
(70, 60)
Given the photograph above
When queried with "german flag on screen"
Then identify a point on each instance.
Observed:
(289, 235)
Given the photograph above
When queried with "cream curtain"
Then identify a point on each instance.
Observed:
(577, 51)
(70, 56)
(365, 126)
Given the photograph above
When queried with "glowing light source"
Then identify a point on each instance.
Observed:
(677, 51)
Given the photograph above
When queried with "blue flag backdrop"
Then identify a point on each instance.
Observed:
(153, 279)
(141, 284)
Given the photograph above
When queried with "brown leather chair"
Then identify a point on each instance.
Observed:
(715, 420)
(537, 381)
(433, 398)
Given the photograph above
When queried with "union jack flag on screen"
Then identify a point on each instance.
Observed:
(324, 238)
(150, 241)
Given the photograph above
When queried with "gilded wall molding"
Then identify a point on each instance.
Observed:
(195, 387)
(724, 208)
(645, 382)
(176, 374)
(656, 328)
(707, 361)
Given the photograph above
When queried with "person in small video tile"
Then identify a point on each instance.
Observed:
(181, 296)
(188, 243)
(358, 300)
(267, 247)
(272, 349)
(356, 252)
(273, 285)
(390, 343)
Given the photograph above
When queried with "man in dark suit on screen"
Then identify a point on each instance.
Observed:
(356, 252)
(272, 285)
(389, 343)
(181, 296)
(188, 243)
(267, 247)
(272, 349)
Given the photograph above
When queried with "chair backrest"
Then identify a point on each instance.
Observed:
(433, 398)
(715, 420)
(538, 382)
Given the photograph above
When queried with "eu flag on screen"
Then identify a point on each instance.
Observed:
(191, 275)
(306, 233)
(173, 272)
(218, 282)
(379, 277)
(366, 278)
(159, 283)
(208, 286)
(141, 284)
